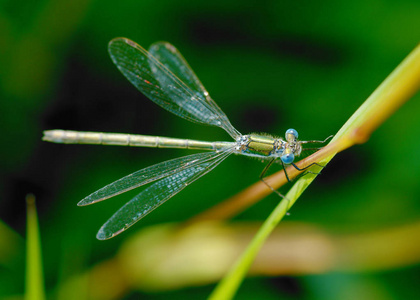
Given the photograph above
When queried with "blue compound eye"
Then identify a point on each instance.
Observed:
(293, 132)
(287, 158)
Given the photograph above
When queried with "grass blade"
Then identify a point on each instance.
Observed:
(398, 87)
(34, 285)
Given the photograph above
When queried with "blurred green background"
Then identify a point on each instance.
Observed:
(270, 65)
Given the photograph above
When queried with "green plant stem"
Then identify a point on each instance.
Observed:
(397, 88)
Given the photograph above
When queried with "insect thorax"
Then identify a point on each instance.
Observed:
(260, 145)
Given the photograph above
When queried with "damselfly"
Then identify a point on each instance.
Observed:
(163, 75)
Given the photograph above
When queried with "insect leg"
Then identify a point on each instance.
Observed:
(266, 183)
(316, 141)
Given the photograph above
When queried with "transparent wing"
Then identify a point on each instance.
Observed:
(171, 84)
(147, 175)
(157, 194)
(172, 59)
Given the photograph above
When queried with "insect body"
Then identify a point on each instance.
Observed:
(163, 75)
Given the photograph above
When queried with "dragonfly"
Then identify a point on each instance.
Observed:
(164, 76)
